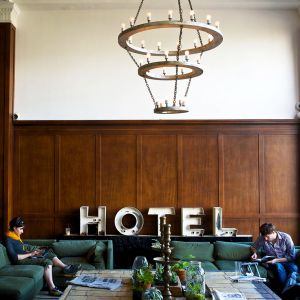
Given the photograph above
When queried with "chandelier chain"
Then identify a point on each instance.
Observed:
(177, 58)
(199, 35)
(146, 82)
(188, 87)
(180, 11)
(138, 11)
(177, 54)
(149, 90)
(132, 57)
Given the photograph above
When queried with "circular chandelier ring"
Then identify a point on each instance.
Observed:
(144, 69)
(198, 26)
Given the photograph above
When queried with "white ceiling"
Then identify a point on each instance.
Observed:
(165, 4)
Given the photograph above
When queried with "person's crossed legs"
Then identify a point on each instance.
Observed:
(282, 271)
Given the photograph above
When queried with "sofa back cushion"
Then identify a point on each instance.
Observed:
(4, 260)
(297, 257)
(96, 254)
(39, 242)
(202, 251)
(232, 251)
(73, 248)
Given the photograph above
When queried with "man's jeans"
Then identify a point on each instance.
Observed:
(282, 271)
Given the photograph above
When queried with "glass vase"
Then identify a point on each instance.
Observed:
(195, 282)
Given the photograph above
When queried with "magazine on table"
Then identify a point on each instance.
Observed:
(97, 282)
(217, 295)
(246, 278)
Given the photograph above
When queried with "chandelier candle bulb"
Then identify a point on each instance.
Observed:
(217, 24)
(195, 43)
(143, 44)
(166, 54)
(167, 104)
(208, 19)
(180, 103)
(158, 46)
(182, 72)
(149, 16)
(164, 71)
(170, 15)
(192, 15)
(130, 40)
(122, 27)
(148, 57)
(131, 21)
(186, 53)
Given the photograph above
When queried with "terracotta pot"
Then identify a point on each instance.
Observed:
(146, 286)
(181, 274)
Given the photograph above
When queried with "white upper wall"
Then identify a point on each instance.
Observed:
(70, 66)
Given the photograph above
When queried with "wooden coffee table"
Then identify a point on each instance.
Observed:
(251, 290)
(214, 280)
(75, 292)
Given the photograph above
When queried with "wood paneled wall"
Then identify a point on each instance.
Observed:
(250, 168)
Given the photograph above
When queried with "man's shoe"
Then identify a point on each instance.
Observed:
(55, 292)
(72, 269)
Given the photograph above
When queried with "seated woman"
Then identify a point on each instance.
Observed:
(25, 254)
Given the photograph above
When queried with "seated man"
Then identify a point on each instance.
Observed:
(279, 245)
(24, 254)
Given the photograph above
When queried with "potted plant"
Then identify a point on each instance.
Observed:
(194, 291)
(158, 276)
(143, 278)
(152, 294)
(180, 267)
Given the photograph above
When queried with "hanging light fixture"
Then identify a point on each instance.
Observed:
(181, 63)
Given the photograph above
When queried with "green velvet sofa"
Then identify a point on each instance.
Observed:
(25, 281)
(18, 282)
(218, 256)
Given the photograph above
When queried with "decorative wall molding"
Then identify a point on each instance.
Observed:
(9, 13)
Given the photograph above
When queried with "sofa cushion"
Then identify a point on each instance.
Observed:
(72, 248)
(202, 251)
(17, 288)
(76, 260)
(209, 266)
(232, 251)
(30, 271)
(297, 260)
(39, 242)
(95, 254)
(4, 260)
(229, 266)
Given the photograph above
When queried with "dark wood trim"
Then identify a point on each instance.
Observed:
(155, 122)
(7, 66)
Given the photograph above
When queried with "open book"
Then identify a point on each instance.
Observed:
(264, 259)
(217, 295)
